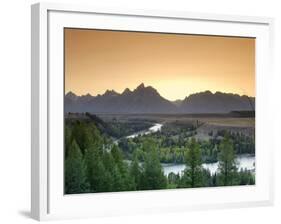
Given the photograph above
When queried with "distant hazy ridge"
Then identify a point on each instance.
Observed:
(148, 100)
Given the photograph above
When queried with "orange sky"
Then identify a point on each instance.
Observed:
(176, 65)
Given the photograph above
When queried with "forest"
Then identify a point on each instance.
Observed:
(96, 162)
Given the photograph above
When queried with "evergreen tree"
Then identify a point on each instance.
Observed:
(109, 182)
(75, 171)
(252, 180)
(118, 182)
(227, 165)
(135, 172)
(95, 169)
(173, 180)
(108, 161)
(214, 180)
(245, 177)
(125, 182)
(67, 140)
(109, 166)
(117, 155)
(193, 173)
(87, 135)
(153, 175)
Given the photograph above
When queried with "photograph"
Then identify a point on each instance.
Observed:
(155, 111)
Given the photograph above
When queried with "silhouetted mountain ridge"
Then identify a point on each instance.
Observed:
(146, 99)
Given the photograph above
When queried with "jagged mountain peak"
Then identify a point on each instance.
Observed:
(146, 99)
(126, 91)
(110, 93)
(141, 86)
(87, 95)
(72, 96)
(70, 93)
(149, 90)
(207, 92)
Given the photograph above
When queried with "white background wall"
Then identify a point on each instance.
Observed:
(15, 110)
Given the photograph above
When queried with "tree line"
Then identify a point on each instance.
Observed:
(94, 164)
(172, 144)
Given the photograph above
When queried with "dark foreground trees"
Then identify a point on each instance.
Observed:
(193, 174)
(153, 176)
(92, 164)
(227, 165)
(75, 171)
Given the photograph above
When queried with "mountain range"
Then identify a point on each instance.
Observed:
(146, 99)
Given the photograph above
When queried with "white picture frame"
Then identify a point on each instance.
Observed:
(47, 198)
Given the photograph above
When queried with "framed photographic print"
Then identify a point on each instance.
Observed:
(148, 111)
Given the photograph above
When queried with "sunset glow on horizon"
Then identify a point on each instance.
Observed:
(174, 64)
